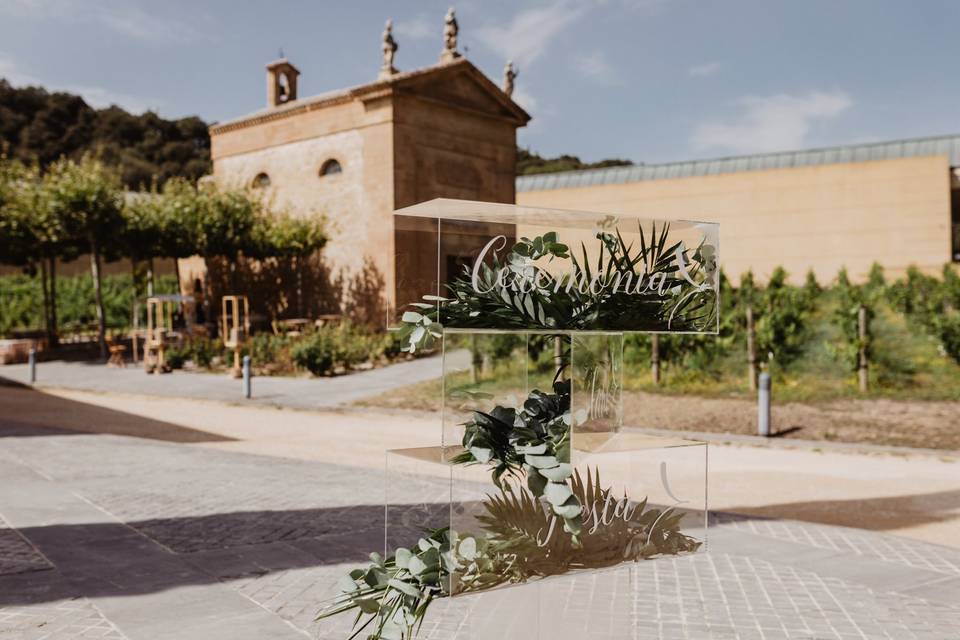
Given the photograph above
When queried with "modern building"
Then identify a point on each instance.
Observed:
(896, 203)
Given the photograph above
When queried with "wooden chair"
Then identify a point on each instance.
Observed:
(116, 355)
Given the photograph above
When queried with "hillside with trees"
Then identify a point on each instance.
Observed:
(40, 126)
(529, 162)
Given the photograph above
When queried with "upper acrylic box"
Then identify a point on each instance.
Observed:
(558, 270)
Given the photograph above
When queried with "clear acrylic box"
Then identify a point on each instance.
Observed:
(552, 503)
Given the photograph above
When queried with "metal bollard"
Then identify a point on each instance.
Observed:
(32, 361)
(763, 405)
(246, 376)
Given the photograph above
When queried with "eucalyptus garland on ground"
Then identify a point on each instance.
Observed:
(524, 292)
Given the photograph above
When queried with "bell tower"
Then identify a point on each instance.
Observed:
(281, 82)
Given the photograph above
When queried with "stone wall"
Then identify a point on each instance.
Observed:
(355, 203)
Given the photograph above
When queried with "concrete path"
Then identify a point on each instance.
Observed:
(296, 393)
(173, 531)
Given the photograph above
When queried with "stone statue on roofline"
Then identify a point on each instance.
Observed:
(389, 51)
(509, 77)
(450, 31)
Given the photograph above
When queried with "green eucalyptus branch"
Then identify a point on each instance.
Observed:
(532, 443)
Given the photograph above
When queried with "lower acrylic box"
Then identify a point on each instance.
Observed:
(523, 565)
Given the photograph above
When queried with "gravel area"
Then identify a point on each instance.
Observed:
(933, 425)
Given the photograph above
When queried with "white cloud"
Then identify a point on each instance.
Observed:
(529, 33)
(596, 67)
(97, 97)
(772, 123)
(418, 28)
(705, 69)
(120, 16)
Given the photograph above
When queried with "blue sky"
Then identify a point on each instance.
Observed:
(648, 80)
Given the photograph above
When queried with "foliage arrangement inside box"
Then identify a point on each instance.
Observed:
(651, 284)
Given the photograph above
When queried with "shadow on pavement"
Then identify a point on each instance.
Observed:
(873, 514)
(126, 559)
(140, 557)
(25, 411)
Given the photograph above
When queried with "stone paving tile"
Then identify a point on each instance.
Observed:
(702, 597)
(715, 595)
(19, 556)
(883, 547)
(193, 500)
(72, 619)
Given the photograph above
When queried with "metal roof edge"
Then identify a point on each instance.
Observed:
(948, 145)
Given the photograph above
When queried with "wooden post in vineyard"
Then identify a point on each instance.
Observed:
(476, 360)
(751, 351)
(558, 351)
(862, 365)
(655, 357)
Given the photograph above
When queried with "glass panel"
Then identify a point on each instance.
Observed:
(597, 382)
(635, 504)
(416, 272)
(512, 267)
(417, 497)
(481, 370)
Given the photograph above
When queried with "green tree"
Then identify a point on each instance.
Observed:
(181, 206)
(87, 197)
(142, 233)
(36, 235)
(225, 227)
(16, 238)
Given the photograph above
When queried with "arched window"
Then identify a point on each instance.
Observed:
(330, 167)
(262, 181)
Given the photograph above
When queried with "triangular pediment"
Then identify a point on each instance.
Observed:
(463, 85)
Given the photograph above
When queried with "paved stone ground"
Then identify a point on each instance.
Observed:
(295, 393)
(115, 537)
